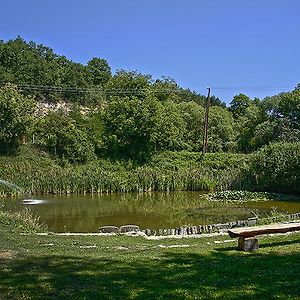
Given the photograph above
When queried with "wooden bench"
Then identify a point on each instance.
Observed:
(246, 235)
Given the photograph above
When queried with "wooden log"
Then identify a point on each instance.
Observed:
(265, 229)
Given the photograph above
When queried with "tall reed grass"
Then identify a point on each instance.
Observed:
(185, 172)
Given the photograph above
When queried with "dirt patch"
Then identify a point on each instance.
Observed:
(7, 254)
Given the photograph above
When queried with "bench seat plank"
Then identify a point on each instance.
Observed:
(264, 229)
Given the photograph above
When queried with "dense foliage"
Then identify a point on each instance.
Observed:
(129, 115)
(15, 117)
(277, 168)
(37, 173)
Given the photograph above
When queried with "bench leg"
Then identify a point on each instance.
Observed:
(248, 244)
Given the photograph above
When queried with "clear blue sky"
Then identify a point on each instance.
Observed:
(199, 43)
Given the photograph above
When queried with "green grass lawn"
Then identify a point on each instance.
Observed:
(36, 266)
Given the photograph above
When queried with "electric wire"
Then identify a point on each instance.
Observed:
(138, 91)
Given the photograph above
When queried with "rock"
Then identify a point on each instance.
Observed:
(129, 228)
(248, 244)
(109, 229)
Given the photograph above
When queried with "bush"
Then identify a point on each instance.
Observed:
(276, 168)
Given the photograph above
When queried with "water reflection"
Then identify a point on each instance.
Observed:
(33, 201)
(86, 213)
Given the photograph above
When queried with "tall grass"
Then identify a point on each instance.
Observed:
(38, 174)
(23, 220)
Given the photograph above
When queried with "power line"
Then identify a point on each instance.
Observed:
(253, 88)
(138, 91)
(59, 89)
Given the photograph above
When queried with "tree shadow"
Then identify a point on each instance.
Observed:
(261, 246)
(174, 275)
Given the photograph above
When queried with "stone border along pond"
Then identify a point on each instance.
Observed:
(200, 229)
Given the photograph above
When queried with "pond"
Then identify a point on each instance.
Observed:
(86, 213)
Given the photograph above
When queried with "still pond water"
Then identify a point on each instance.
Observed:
(86, 213)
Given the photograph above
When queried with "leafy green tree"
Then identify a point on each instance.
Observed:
(281, 119)
(272, 131)
(166, 89)
(170, 128)
(129, 83)
(91, 123)
(289, 107)
(99, 70)
(135, 128)
(76, 77)
(239, 105)
(16, 116)
(27, 63)
(276, 167)
(193, 118)
(59, 134)
(222, 130)
(130, 127)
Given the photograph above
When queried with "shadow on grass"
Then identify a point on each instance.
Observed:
(174, 275)
(261, 246)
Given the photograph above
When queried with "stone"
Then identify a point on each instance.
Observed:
(252, 221)
(248, 244)
(109, 229)
(129, 228)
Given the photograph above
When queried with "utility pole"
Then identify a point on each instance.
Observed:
(205, 135)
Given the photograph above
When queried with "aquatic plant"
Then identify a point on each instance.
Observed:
(240, 196)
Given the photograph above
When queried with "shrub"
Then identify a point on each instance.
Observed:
(276, 168)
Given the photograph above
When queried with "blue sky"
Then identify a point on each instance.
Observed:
(233, 46)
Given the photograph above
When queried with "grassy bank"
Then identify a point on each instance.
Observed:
(37, 173)
(95, 267)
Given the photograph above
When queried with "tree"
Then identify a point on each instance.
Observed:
(289, 107)
(130, 127)
(99, 71)
(58, 134)
(16, 116)
(135, 128)
(239, 104)
(276, 167)
(129, 83)
(170, 128)
(222, 130)
(193, 118)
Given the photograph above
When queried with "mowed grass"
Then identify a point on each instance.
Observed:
(36, 266)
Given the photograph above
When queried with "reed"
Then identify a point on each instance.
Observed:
(23, 220)
(170, 171)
